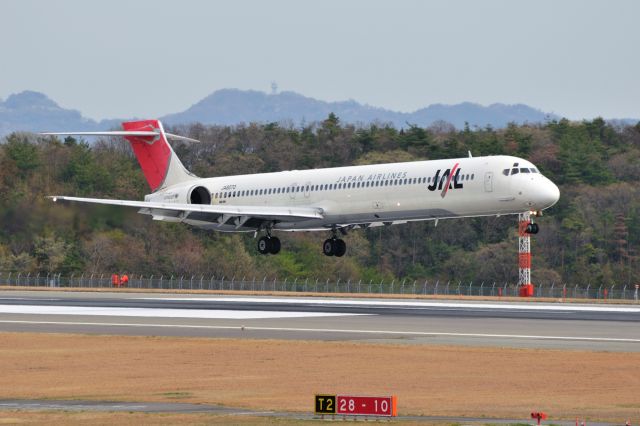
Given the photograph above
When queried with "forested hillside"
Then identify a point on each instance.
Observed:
(591, 236)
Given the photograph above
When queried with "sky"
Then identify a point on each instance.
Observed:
(110, 59)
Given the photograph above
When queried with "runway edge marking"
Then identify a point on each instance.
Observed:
(331, 330)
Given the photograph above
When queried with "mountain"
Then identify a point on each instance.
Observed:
(34, 111)
(232, 106)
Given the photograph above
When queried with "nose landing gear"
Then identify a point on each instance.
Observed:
(532, 228)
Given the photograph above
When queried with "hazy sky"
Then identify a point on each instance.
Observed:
(148, 58)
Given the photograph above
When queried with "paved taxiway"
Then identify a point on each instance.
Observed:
(540, 325)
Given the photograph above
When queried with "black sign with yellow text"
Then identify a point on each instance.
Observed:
(325, 404)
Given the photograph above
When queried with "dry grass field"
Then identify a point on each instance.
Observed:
(284, 375)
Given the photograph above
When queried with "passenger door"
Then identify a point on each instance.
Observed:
(488, 182)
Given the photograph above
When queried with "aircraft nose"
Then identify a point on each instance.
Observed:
(549, 194)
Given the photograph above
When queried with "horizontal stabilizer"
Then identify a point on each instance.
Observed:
(122, 133)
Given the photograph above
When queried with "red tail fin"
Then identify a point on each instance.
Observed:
(160, 165)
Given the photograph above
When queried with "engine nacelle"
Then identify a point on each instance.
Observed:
(199, 195)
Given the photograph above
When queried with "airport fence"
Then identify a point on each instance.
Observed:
(316, 285)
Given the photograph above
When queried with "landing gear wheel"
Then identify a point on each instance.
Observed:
(334, 247)
(264, 245)
(339, 248)
(268, 245)
(327, 247)
(274, 245)
(532, 228)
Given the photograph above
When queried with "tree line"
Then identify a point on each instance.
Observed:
(591, 236)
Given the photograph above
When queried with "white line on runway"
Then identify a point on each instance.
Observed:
(160, 312)
(334, 330)
(407, 304)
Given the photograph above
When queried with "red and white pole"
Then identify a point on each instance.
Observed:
(524, 255)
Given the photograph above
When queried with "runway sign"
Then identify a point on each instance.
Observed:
(325, 404)
(384, 406)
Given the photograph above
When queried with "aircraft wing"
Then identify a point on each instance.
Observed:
(237, 215)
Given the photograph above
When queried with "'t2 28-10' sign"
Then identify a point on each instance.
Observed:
(384, 406)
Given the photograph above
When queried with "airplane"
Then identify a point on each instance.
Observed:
(333, 200)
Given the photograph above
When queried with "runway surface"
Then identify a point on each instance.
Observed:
(512, 324)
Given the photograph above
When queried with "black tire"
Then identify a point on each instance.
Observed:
(529, 229)
(274, 245)
(327, 247)
(264, 245)
(339, 248)
(535, 228)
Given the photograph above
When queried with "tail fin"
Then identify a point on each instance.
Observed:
(160, 165)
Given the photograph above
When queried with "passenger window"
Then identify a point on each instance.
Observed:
(473, 176)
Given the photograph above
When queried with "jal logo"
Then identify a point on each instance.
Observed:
(444, 183)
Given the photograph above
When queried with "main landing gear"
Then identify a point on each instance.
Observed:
(269, 244)
(334, 246)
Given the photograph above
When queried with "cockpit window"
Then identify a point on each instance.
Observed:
(515, 170)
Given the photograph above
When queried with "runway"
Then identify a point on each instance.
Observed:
(406, 321)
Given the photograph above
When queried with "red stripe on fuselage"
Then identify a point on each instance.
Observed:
(446, 187)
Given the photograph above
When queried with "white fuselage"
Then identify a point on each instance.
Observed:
(378, 194)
